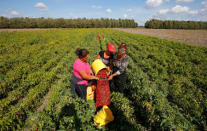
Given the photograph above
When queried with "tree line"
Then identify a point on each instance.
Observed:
(173, 24)
(25, 22)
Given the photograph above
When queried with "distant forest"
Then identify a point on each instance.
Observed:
(66, 23)
(171, 24)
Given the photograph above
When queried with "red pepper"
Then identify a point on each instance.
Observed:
(99, 36)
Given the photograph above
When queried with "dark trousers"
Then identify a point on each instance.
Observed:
(77, 89)
(118, 83)
(81, 91)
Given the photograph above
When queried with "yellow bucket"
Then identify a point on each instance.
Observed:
(98, 65)
(103, 117)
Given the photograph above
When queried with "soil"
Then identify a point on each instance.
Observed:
(192, 37)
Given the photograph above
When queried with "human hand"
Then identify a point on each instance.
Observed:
(95, 78)
(108, 73)
(110, 77)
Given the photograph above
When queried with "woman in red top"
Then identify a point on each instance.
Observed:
(103, 89)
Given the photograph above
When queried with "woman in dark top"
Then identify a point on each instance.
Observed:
(107, 56)
(120, 63)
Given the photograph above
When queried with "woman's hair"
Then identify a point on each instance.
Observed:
(123, 48)
(81, 53)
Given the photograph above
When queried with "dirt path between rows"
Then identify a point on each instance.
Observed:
(192, 37)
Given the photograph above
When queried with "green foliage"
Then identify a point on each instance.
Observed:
(66, 23)
(123, 111)
(169, 24)
(154, 63)
(166, 85)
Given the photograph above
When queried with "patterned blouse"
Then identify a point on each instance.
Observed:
(121, 64)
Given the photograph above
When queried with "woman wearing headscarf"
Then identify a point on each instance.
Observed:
(107, 56)
(120, 63)
(103, 89)
(81, 74)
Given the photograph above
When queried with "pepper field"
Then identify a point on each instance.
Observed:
(166, 86)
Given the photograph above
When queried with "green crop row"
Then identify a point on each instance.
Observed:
(16, 114)
(63, 112)
(155, 60)
(19, 60)
(33, 79)
(166, 85)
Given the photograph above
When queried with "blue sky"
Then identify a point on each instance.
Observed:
(140, 10)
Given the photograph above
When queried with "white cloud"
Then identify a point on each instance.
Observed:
(125, 15)
(193, 12)
(129, 10)
(203, 10)
(154, 3)
(14, 13)
(164, 11)
(180, 9)
(184, 0)
(9, 12)
(204, 18)
(41, 6)
(96, 6)
(204, 3)
(108, 10)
